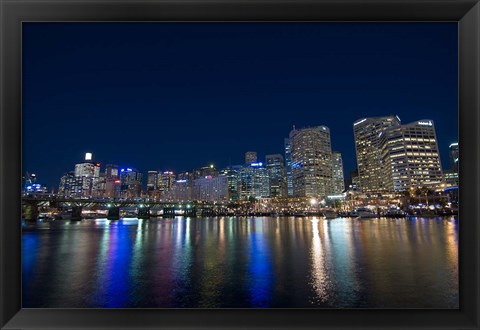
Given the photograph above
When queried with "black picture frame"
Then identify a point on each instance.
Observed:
(13, 12)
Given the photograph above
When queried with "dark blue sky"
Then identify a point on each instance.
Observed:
(184, 95)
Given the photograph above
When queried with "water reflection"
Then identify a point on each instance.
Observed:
(242, 262)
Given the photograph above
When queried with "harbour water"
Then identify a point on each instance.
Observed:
(241, 262)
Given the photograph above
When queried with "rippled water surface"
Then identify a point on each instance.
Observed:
(242, 262)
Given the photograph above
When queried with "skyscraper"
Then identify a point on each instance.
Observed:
(368, 148)
(453, 152)
(152, 180)
(205, 171)
(86, 175)
(338, 177)
(410, 156)
(288, 166)
(130, 183)
(210, 189)
(250, 157)
(112, 181)
(276, 175)
(311, 161)
(253, 181)
(165, 182)
(232, 175)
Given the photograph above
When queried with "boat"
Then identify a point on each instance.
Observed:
(365, 213)
(330, 214)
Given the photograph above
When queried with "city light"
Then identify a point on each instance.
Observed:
(359, 122)
(425, 123)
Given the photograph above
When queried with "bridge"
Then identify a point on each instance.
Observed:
(32, 204)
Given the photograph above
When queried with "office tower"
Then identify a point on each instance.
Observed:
(186, 175)
(367, 144)
(253, 181)
(112, 181)
(276, 175)
(152, 181)
(453, 152)
(288, 167)
(111, 171)
(130, 183)
(410, 156)
(450, 177)
(87, 174)
(205, 171)
(179, 192)
(232, 175)
(311, 161)
(67, 184)
(250, 157)
(338, 177)
(213, 189)
(165, 182)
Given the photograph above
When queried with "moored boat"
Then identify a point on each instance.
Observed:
(365, 213)
(330, 214)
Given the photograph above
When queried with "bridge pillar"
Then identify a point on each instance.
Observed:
(113, 213)
(143, 213)
(169, 212)
(31, 213)
(76, 213)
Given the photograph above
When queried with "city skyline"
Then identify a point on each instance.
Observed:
(402, 155)
(182, 110)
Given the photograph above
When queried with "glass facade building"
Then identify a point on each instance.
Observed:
(276, 175)
(368, 149)
(410, 156)
(338, 177)
(288, 167)
(253, 181)
(311, 162)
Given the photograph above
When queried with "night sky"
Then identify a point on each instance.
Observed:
(176, 96)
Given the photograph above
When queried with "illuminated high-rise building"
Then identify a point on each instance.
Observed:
(179, 192)
(111, 171)
(69, 185)
(250, 157)
(205, 171)
(311, 161)
(368, 148)
(152, 181)
(232, 174)
(338, 177)
(86, 175)
(276, 175)
(410, 156)
(288, 166)
(112, 181)
(453, 152)
(165, 182)
(130, 183)
(253, 181)
(208, 188)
